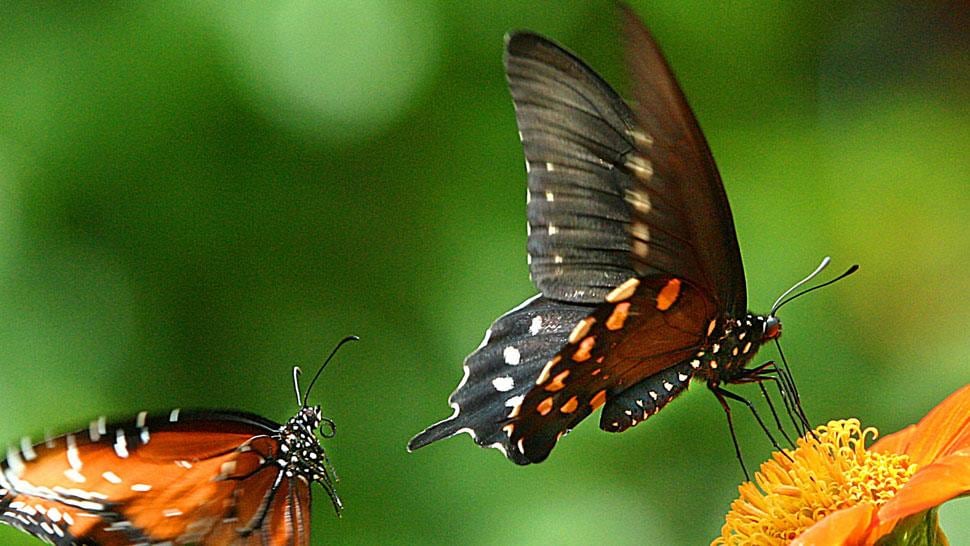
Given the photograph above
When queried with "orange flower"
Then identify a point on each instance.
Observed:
(831, 490)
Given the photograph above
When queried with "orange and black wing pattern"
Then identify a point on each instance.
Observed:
(182, 477)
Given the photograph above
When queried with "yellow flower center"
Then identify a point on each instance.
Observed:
(826, 472)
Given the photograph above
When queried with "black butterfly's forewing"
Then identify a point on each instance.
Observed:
(502, 370)
(574, 132)
(614, 197)
(684, 171)
(610, 198)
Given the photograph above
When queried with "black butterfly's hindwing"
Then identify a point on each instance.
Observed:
(635, 404)
(502, 370)
(644, 331)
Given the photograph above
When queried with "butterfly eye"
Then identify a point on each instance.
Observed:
(328, 429)
(772, 328)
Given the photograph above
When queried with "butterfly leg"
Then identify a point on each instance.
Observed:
(768, 372)
(786, 389)
(789, 384)
(720, 394)
(774, 412)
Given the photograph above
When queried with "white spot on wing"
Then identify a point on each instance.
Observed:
(514, 401)
(73, 457)
(536, 325)
(503, 384)
(14, 461)
(638, 200)
(512, 356)
(73, 475)
(27, 449)
(121, 444)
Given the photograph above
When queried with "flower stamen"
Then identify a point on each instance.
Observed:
(827, 471)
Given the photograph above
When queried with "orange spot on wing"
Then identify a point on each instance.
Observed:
(581, 329)
(624, 291)
(547, 370)
(620, 312)
(668, 294)
(598, 400)
(582, 354)
(557, 382)
(508, 429)
(570, 405)
(545, 406)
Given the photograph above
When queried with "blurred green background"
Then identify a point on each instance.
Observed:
(196, 196)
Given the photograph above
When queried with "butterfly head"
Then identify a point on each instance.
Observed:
(772, 328)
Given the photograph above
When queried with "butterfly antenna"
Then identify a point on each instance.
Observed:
(296, 385)
(306, 394)
(821, 267)
(784, 299)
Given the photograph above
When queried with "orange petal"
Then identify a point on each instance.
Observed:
(848, 527)
(944, 430)
(897, 442)
(932, 485)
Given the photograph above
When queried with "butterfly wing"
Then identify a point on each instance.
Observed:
(613, 193)
(502, 370)
(575, 133)
(643, 333)
(683, 174)
(186, 477)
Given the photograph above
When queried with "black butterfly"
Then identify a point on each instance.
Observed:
(633, 248)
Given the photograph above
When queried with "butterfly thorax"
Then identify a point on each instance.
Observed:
(732, 343)
(300, 453)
